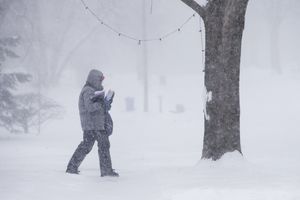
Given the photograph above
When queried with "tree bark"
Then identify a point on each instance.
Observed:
(224, 25)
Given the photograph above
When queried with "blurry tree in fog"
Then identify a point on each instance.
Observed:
(275, 12)
(8, 83)
(18, 109)
(33, 110)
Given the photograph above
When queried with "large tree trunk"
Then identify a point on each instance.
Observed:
(224, 25)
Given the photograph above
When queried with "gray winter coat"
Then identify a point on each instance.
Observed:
(92, 114)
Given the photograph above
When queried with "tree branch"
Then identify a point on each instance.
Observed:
(196, 7)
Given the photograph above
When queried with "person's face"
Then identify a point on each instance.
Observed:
(102, 78)
(99, 81)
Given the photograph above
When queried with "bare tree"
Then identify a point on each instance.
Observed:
(224, 24)
(53, 51)
(33, 109)
(275, 12)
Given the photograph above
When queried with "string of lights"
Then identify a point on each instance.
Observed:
(138, 40)
(202, 42)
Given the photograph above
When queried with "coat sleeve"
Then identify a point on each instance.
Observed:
(90, 105)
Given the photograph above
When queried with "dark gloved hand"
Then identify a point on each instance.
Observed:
(98, 96)
(107, 105)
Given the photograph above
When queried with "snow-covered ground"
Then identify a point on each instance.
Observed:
(158, 154)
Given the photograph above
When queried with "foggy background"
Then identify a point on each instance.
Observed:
(155, 152)
(61, 39)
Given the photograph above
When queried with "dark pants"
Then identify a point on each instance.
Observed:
(89, 138)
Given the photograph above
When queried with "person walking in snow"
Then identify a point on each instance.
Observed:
(96, 124)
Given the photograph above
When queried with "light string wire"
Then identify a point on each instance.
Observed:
(139, 40)
(202, 42)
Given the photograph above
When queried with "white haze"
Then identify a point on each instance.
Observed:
(157, 154)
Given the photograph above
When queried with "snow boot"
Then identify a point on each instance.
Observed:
(111, 173)
(72, 171)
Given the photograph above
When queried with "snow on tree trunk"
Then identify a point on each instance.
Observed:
(224, 25)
